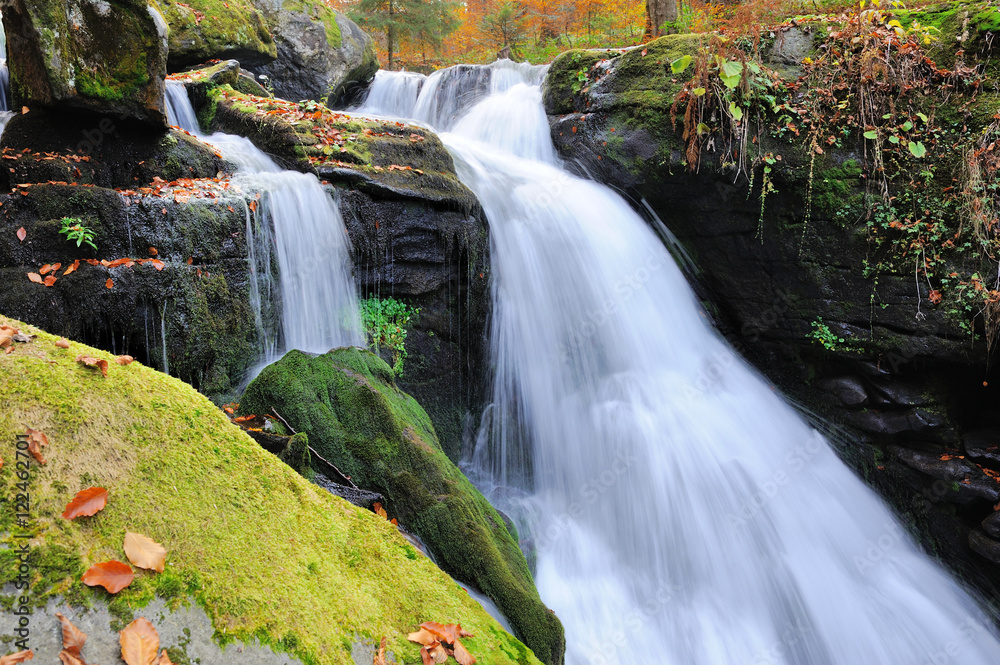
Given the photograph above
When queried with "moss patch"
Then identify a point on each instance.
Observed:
(263, 551)
(346, 402)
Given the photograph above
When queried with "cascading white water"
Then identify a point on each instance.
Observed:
(682, 513)
(318, 298)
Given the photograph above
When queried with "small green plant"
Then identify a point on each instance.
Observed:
(822, 334)
(385, 321)
(580, 82)
(74, 229)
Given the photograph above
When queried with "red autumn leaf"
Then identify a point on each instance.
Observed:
(44, 270)
(21, 234)
(145, 552)
(50, 280)
(140, 642)
(253, 206)
(158, 264)
(644, 51)
(124, 360)
(19, 657)
(73, 266)
(86, 503)
(35, 277)
(112, 575)
(90, 361)
(164, 659)
(36, 441)
(934, 297)
(63, 343)
(73, 638)
(153, 251)
(110, 283)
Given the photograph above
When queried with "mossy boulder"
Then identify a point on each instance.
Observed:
(322, 54)
(109, 57)
(386, 159)
(269, 557)
(202, 30)
(355, 417)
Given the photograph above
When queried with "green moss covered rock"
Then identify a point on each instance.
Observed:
(355, 417)
(108, 57)
(386, 159)
(202, 30)
(266, 554)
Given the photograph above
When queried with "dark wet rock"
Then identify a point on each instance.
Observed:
(984, 545)
(991, 525)
(969, 481)
(849, 390)
(983, 446)
(99, 150)
(197, 317)
(65, 55)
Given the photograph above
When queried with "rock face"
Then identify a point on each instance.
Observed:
(286, 571)
(359, 420)
(104, 56)
(321, 53)
(202, 30)
(904, 382)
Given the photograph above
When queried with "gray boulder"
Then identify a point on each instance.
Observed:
(109, 57)
(321, 53)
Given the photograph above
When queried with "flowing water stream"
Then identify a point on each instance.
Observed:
(681, 513)
(318, 299)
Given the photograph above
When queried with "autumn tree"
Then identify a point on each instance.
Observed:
(659, 12)
(425, 21)
(505, 27)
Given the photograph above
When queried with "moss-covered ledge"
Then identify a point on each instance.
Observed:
(387, 159)
(265, 553)
(348, 404)
(204, 29)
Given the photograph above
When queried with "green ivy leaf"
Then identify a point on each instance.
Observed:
(894, 139)
(698, 92)
(871, 134)
(922, 117)
(735, 111)
(680, 64)
(730, 81)
(917, 149)
(702, 128)
(907, 126)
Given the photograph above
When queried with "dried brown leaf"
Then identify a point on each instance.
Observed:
(140, 642)
(145, 552)
(73, 638)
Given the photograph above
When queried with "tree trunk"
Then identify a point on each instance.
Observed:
(390, 35)
(659, 12)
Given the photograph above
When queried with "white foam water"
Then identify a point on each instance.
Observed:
(681, 513)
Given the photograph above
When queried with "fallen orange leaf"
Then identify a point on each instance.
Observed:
(35, 277)
(112, 575)
(73, 638)
(124, 360)
(110, 283)
(86, 503)
(63, 343)
(36, 441)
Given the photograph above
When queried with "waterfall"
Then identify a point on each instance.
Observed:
(319, 303)
(680, 511)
